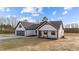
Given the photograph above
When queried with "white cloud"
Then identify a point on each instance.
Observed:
(68, 8)
(29, 19)
(35, 11)
(40, 10)
(35, 14)
(28, 10)
(65, 12)
(8, 9)
(54, 12)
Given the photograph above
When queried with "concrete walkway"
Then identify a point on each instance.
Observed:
(9, 37)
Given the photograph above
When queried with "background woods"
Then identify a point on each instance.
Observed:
(7, 24)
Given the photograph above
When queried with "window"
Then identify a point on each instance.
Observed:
(20, 26)
(53, 33)
(45, 32)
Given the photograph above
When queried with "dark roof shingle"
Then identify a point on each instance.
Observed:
(33, 26)
(29, 26)
(55, 24)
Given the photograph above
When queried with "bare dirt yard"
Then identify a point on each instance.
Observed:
(69, 43)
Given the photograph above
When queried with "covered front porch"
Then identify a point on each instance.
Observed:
(47, 34)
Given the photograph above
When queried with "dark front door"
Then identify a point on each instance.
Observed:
(20, 33)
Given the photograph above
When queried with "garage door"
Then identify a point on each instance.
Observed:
(20, 33)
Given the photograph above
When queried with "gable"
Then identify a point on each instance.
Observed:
(55, 24)
(18, 28)
(61, 27)
(47, 27)
(41, 24)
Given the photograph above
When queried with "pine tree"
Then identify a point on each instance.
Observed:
(44, 19)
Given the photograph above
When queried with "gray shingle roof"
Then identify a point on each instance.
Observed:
(55, 24)
(33, 26)
(29, 26)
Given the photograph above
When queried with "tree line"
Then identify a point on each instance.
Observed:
(7, 24)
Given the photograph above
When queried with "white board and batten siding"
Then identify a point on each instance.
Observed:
(27, 32)
(20, 29)
(60, 32)
(49, 28)
(30, 32)
(52, 36)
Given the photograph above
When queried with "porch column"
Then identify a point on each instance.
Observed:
(37, 33)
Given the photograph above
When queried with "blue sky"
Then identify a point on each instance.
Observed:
(32, 14)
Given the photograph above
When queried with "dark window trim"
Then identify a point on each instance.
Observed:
(45, 32)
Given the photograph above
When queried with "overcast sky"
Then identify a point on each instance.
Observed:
(32, 14)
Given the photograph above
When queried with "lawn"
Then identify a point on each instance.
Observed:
(69, 43)
(19, 42)
(7, 34)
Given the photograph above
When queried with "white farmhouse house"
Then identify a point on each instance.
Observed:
(46, 29)
(51, 29)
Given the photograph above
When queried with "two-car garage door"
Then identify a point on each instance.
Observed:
(20, 33)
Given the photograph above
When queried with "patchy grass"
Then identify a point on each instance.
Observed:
(71, 34)
(19, 42)
(7, 34)
(69, 43)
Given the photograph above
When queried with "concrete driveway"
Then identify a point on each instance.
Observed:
(9, 37)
